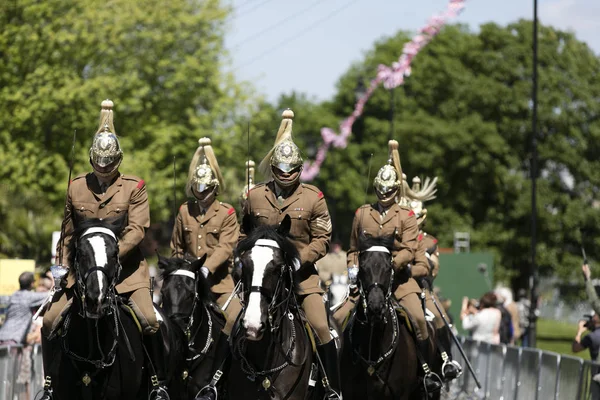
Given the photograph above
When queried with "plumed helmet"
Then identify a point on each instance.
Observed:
(106, 149)
(419, 193)
(285, 154)
(249, 179)
(204, 169)
(389, 177)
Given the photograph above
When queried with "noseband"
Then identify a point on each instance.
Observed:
(273, 305)
(388, 290)
(191, 338)
(82, 280)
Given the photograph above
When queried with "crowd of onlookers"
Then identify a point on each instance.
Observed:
(497, 318)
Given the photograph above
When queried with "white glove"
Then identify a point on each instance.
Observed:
(296, 264)
(204, 271)
(352, 274)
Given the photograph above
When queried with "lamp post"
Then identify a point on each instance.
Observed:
(359, 91)
(533, 279)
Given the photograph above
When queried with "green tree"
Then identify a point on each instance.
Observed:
(160, 62)
(464, 115)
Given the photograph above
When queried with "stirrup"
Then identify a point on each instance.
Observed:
(429, 374)
(332, 395)
(451, 363)
(205, 390)
(47, 395)
(159, 392)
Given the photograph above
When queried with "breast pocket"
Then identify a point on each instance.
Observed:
(300, 223)
(116, 209)
(83, 210)
(213, 232)
(263, 216)
(187, 236)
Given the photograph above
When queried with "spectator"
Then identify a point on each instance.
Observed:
(18, 316)
(334, 263)
(524, 306)
(505, 297)
(33, 337)
(592, 340)
(483, 321)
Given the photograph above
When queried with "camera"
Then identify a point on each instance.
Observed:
(589, 323)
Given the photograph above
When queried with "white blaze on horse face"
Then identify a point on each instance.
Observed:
(99, 246)
(261, 257)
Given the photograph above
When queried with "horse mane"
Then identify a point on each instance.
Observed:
(270, 232)
(367, 241)
(169, 265)
(114, 225)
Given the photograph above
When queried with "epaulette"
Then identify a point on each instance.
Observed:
(364, 206)
(314, 189)
(229, 207)
(140, 181)
(404, 207)
(79, 177)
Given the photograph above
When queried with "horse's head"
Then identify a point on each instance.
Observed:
(265, 267)
(183, 285)
(94, 253)
(376, 272)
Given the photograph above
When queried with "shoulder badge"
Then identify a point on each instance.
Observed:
(420, 237)
(140, 184)
(231, 211)
(411, 213)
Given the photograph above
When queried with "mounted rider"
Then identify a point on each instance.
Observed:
(207, 226)
(106, 193)
(387, 217)
(310, 232)
(425, 267)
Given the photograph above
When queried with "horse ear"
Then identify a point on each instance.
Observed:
(248, 223)
(162, 261)
(285, 225)
(197, 264)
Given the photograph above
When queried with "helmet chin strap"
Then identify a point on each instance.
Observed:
(387, 201)
(107, 175)
(209, 199)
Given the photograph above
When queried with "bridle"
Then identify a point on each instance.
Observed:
(279, 288)
(388, 291)
(108, 359)
(275, 319)
(372, 365)
(82, 279)
(191, 337)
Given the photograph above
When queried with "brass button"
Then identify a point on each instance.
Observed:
(201, 226)
(199, 236)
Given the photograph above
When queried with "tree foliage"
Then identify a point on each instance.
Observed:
(464, 115)
(160, 62)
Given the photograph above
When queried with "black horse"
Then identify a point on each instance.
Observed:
(380, 359)
(187, 300)
(98, 352)
(273, 356)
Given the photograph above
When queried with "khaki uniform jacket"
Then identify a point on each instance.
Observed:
(311, 225)
(125, 196)
(214, 234)
(399, 222)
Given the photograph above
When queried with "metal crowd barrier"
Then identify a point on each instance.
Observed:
(515, 373)
(505, 373)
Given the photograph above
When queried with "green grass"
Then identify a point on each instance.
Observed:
(557, 336)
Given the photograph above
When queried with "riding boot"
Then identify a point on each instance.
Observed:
(156, 352)
(330, 361)
(47, 357)
(219, 366)
(431, 380)
(450, 368)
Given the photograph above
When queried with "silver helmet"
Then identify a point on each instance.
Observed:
(106, 150)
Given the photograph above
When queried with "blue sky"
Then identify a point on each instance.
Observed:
(306, 45)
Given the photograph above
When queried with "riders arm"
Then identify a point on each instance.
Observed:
(352, 254)
(177, 239)
(320, 233)
(67, 232)
(592, 296)
(139, 221)
(408, 242)
(228, 239)
(420, 267)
